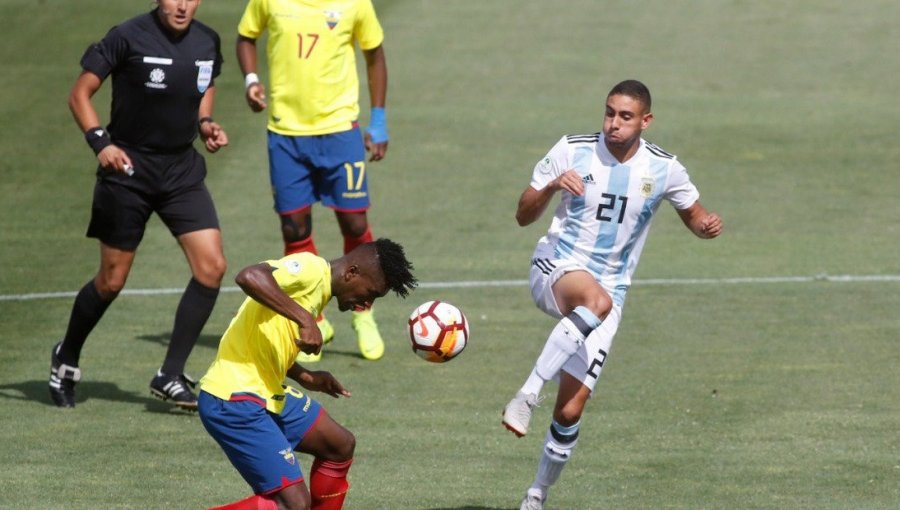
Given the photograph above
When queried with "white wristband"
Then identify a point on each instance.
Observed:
(250, 79)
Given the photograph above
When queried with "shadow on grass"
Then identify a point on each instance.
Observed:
(211, 341)
(36, 391)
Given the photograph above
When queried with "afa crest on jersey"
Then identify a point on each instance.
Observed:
(646, 187)
(332, 18)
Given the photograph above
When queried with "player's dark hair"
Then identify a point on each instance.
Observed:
(397, 270)
(633, 89)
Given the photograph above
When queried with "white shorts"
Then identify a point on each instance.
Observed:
(587, 362)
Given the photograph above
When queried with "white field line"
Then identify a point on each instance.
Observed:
(516, 283)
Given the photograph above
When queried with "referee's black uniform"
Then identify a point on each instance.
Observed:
(158, 81)
(161, 74)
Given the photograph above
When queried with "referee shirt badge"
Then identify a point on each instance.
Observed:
(204, 74)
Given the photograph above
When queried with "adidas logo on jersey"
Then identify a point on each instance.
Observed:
(588, 179)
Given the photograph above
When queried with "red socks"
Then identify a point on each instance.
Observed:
(328, 484)
(309, 245)
(327, 487)
(353, 242)
(254, 502)
(301, 246)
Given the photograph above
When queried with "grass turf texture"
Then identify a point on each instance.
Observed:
(768, 396)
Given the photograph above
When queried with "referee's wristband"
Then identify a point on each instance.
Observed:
(97, 138)
(250, 79)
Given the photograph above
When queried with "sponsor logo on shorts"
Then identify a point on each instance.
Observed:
(354, 194)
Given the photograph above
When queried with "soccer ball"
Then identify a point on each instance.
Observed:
(438, 331)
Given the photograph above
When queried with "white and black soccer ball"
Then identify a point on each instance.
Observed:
(438, 331)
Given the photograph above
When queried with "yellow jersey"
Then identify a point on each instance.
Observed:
(258, 347)
(313, 84)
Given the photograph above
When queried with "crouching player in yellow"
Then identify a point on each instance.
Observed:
(257, 420)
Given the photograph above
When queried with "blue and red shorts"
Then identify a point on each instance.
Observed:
(260, 444)
(329, 168)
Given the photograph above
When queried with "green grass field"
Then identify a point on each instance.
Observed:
(765, 392)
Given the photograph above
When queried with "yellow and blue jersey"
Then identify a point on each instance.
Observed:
(259, 345)
(313, 83)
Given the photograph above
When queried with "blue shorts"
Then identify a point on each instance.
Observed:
(330, 168)
(260, 444)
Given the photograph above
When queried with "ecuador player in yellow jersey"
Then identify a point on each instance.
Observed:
(316, 150)
(244, 404)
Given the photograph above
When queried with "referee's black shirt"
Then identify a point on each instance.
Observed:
(158, 80)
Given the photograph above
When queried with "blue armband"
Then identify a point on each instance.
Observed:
(378, 126)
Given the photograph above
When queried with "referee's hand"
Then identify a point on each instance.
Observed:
(256, 97)
(213, 136)
(115, 159)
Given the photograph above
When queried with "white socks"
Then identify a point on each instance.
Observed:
(559, 443)
(568, 334)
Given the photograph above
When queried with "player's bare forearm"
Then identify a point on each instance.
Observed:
(376, 74)
(246, 54)
(532, 204)
(257, 282)
(701, 222)
(255, 91)
(317, 381)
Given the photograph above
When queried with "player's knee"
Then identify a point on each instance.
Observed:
(296, 227)
(353, 225)
(346, 447)
(599, 304)
(355, 230)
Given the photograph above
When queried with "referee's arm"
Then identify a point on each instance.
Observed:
(212, 134)
(86, 117)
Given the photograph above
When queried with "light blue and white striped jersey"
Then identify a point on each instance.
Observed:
(604, 229)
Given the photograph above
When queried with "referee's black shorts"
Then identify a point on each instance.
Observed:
(169, 184)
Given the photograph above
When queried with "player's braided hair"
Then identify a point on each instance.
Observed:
(397, 270)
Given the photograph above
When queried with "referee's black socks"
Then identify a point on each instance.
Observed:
(89, 307)
(193, 311)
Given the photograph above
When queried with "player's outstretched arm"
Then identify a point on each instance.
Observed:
(258, 283)
(317, 381)
(702, 223)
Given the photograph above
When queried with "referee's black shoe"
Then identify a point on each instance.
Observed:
(176, 388)
(62, 380)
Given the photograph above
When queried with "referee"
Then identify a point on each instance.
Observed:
(163, 65)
